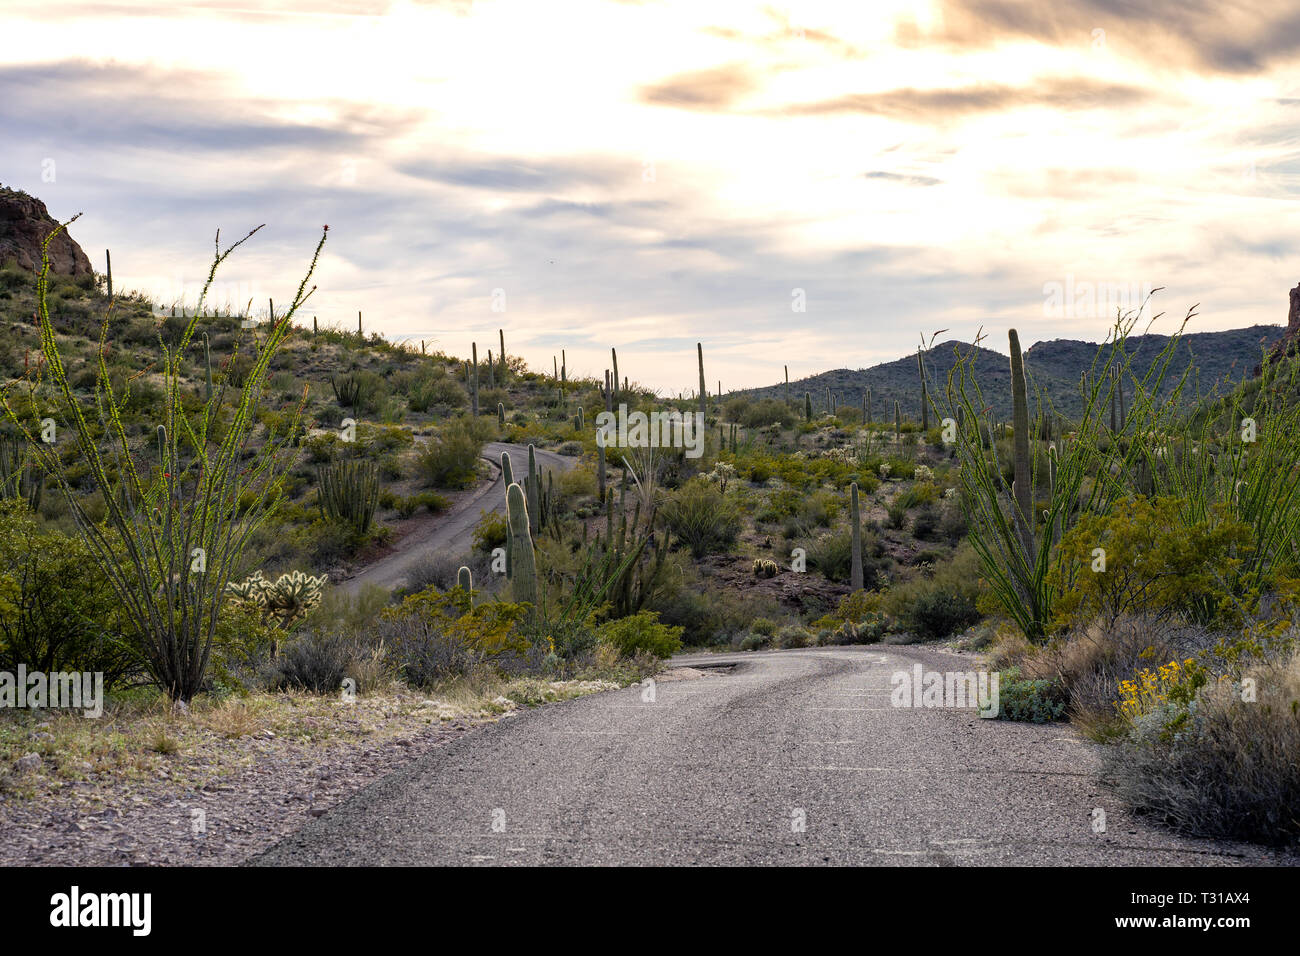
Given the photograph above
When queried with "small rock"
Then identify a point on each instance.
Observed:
(28, 762)
(182, 708)
(317, 811)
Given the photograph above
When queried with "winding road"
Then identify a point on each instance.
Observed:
(453, 532)
(780, 757)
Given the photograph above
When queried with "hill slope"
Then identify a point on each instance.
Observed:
(1055, 367)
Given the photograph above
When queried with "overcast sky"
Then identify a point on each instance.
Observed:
(646, 175)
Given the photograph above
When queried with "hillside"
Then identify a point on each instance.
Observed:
(1055, 368)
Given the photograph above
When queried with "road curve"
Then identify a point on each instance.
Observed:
(725, 767)
(454, 531)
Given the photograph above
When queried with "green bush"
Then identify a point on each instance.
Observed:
(641, 632)
(450, 460)
(57, 612)
(702, 517)
(936, 614)
(1035, 701)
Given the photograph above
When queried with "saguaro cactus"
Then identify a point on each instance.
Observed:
(613, 355)
(855, 570)
(1022, 487)
(474, 383)
(898, 423)
(465, 581)
(508, 476)
(787, 384)
(522, 559)
(502, 334)
(699, 348)
(501, 414)
(534, 491)
(108, 275)
(807, 407)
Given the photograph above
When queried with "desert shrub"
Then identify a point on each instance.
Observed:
(794, 635)
(925, 523)
(935, 614)
(707, 614)
(920, 493)
(433, 635)
(316, 661)
(1155, 564)
(832, 555)
(763, 626)
(1214, 765)
(450, 459)
(57, 612)
(440, 570)
(897, 516)
(702, 517)
(642, 632)
(765, 411)
(490, 532)
(433, 388)
(754, 642)
(1036, 701)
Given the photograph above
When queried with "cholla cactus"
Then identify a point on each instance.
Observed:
(884, 469)
(722, 473)
(764, 568)
(284, 601)
(923, 473)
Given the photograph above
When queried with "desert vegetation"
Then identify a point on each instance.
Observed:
(187, 487)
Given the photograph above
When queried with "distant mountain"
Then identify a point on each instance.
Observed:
(1055, 367)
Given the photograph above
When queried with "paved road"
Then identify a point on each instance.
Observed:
(718, 770)
(453, 531)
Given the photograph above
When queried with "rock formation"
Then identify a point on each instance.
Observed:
(24, 224)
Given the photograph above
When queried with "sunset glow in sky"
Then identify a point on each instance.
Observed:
(646, 175)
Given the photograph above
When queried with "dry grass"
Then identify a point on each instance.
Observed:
(145, 737)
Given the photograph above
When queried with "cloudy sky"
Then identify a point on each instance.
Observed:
(646, 175)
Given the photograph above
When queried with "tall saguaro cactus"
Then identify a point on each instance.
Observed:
(502, 335)
(474, 381)
(613, 354)
(807, 407)
(699, 348)
(522, 559)
(1022, 487)
(925, 393)
(855, 571)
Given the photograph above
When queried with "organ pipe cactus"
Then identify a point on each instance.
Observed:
(522, 558)
(349, 492)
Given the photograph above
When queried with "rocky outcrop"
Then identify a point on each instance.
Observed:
(1290, 343)
(24, 224)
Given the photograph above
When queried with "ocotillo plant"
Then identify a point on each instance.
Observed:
(855, 533)
(349, 492)
(925, 393)
(167, 540)
(207, 365)
(699, 348)
(522, 559)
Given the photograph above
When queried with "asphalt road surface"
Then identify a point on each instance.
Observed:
(453, 532)
(789, 757)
